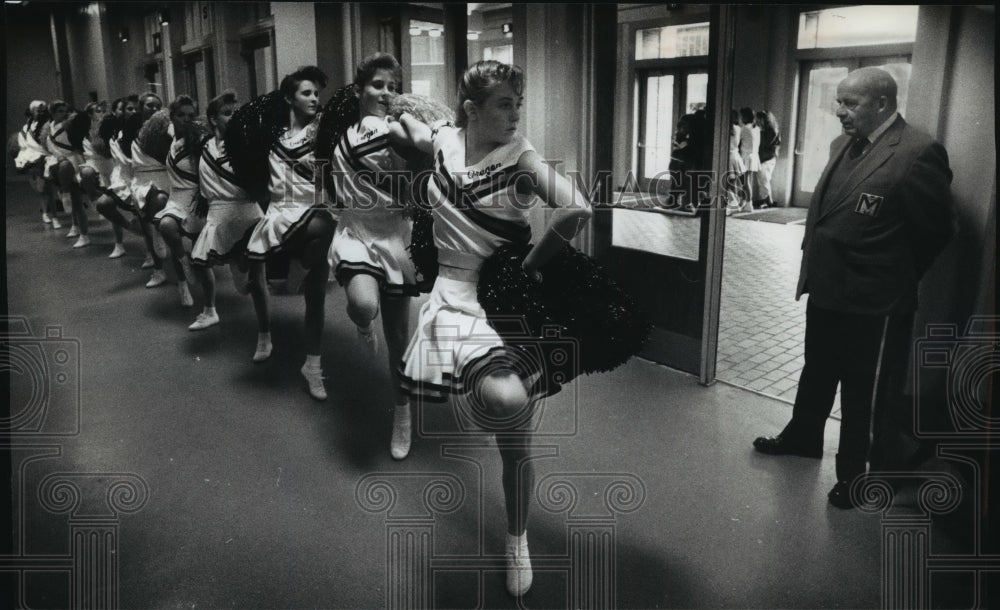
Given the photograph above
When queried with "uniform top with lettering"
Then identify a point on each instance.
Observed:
(292, 166)
(362, 153)
(218, 182)
(182, 165)
(477, 208)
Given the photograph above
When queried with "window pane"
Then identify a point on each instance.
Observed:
(697, 92)
(852, 26)
(427, 73)
(672, 41)
(491, 32)
(659, 124)
(822, 124)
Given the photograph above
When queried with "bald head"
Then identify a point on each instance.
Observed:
(866, 98)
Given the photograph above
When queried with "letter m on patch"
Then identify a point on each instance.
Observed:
(869, 204)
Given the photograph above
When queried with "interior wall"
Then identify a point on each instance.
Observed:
(85, 45)
(31, 66)
(965, 270)
(125, 59)
(294, 35)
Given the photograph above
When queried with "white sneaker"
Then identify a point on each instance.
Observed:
(74, 231)
(519, 574)
(46, 218)
(185, 294)
(55, 223)
(314, 377)
(369, 338)
(118, 252)
(83, 242)
(401, 432)
(263, 351)
(157, 279)
(204, 320)
(241, 279)
(148, 263)
(296, 275)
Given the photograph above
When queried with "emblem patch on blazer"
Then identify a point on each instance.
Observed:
(869, 204)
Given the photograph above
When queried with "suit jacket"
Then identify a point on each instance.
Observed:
(869, 239)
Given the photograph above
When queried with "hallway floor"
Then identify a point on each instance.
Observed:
(229, 487)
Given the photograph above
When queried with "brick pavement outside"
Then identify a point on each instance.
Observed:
(762, 326)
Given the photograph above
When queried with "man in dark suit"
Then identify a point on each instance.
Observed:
(879, 216)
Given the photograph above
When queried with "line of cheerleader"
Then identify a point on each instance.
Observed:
(284, 178)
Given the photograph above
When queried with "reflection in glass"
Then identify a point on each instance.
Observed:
(658, 133)
(491, 32)
(427, 69)
(822, 124)
(672, 41)
(697, 92)
(852, 26)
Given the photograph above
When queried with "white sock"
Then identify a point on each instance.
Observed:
(312, 361)
(209, 311)
(519, 541)
(264, 337)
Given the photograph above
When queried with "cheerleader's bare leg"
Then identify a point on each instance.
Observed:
(362, 307)
(108, 208)
(70, 194)
(170, 229)
(504, 397)
(155, 201)
(317, 235)
(396, 326)
(206, 277)
(258, 292)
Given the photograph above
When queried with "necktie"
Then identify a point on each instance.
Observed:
(857, 147)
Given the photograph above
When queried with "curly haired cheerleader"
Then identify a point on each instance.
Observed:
(147, 140)
(295, 222)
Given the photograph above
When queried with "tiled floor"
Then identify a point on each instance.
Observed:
(762, 326)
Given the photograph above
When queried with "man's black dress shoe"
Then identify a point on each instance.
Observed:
(840, 495)
(780, 445)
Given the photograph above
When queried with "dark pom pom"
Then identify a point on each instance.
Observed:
(154, 138)
(251, 132)
(129, 132)
(423, 252)
(110, 125)
(576, 298)
(340, 112)
(77, 129)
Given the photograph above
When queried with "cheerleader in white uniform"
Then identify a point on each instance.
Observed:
(369, 247)
(231, 215)
(95, 172)
(296, 222)
(749, 152)
(478, 206)
(61, 160)
(178, 220)
(149, 179)
(32, 153)
(116, 199)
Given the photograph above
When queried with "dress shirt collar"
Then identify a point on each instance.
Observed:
(873, 136)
